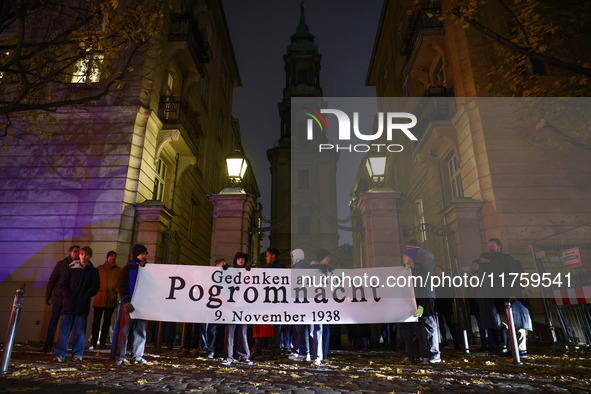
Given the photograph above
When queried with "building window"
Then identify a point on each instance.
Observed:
(169, 84)
(455, 178)
(420, 221)
(303, 179)
(88, 68)
(440, 78)
(159, 180)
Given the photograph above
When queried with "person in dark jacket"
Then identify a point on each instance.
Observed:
(302, 331)
(320, 332)
(420, 262)
(444, 307)
(215, 332)
(237, 331)
(53, 296)
(126, 286)
(261, 331)
(79, 284)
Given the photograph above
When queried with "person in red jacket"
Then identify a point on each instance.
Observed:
(105, 300)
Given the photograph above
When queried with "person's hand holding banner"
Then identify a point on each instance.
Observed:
(419, 311)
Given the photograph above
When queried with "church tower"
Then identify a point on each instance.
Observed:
(290, 231)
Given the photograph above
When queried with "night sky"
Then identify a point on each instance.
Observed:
(260, 30)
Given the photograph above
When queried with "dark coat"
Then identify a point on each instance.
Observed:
(274, 264)
(52, 292)
(503, 263)
(78, 286)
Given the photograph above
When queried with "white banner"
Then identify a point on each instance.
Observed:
(197, 294)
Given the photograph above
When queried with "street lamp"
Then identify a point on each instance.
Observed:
(236, 165)
(376, 168)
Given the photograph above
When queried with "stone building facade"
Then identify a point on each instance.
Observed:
(137, 166)
(476, 172)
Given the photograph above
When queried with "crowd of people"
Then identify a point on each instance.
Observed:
(75, 281)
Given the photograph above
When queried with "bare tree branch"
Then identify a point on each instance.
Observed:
(526, 51)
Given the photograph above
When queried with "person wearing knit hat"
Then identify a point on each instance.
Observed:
(105, 301)
(412, 255)
(322, 254)
(412, 244)
(126, 285)
(137, 250)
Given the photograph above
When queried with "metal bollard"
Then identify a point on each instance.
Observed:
(9, 343)
(466, 343)
(516, 358)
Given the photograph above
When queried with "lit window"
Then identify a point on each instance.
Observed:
(440, 73)
(88, 68)
(159, 180)
(453, 166)
(420, 221)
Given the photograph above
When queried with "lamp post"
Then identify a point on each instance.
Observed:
(379, 214)
(236, 165)
(233, 209)
(376, 168)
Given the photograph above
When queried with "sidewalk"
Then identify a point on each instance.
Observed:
(347, 371)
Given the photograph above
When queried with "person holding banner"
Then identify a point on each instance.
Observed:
(242, 261)
(302, 331)
(261, 331)
(126, 286)
(320, 332)
(214, 331)
(421, 263)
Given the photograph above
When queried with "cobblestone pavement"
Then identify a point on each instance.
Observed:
(347, 371)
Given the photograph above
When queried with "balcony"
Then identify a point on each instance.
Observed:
(424, 26)
(433, 111)
(174, 113)
(184, 28)
(170, 109)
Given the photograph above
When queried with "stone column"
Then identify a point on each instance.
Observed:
(232, 213)
(463, 218)
(381, 239)
(153, 218)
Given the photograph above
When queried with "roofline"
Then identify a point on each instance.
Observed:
(231, 45)
(375, 42)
